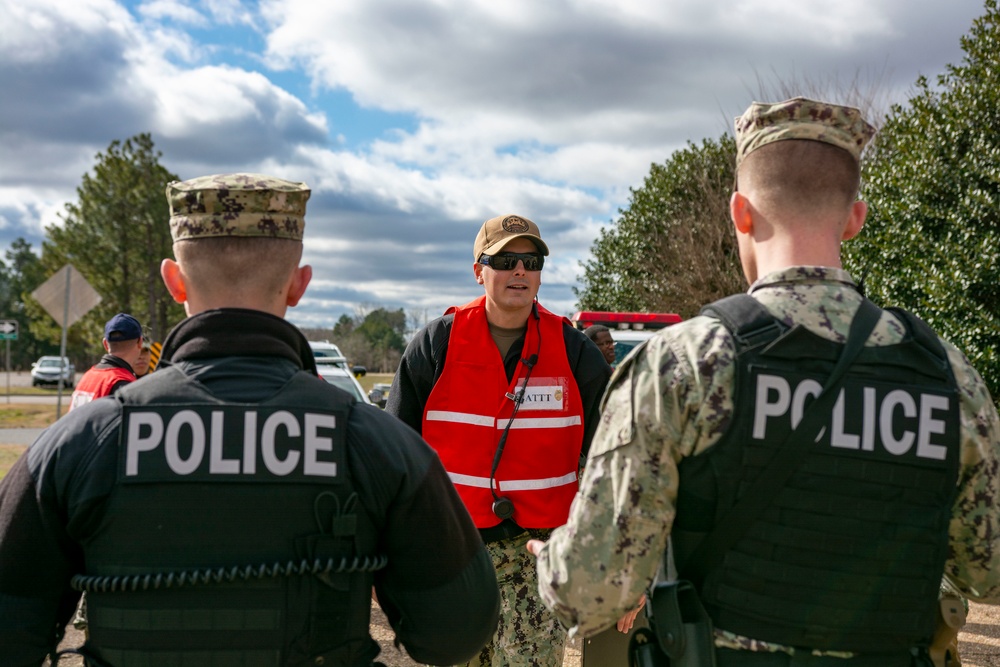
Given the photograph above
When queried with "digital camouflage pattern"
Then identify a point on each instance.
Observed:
(801, 118)
(237, 205)
(672, 399)
(529, 635)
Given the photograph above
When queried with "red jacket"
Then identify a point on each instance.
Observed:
(471, 404)
(97, 383)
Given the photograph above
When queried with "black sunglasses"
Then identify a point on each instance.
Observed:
(507, 261)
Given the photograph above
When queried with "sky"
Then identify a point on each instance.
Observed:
(413, 121)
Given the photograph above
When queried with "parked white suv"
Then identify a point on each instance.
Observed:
(327, 354)
(342, 379)
(48, 370)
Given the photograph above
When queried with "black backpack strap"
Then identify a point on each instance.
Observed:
(747, 320)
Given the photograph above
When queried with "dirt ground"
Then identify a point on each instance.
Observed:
(380, 631)
(979, 642)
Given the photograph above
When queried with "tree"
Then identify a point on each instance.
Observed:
(344, 326)
(20, 274)
(931, 242)
(116, 235)
(373, 338)
(673, 248)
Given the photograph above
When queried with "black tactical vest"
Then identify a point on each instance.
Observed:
(234, 535)
(849, 554)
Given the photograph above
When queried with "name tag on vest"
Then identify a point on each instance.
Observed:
(870, 418)
(543, 397)
(198, 443)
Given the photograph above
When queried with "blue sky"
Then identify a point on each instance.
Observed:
(416, 120)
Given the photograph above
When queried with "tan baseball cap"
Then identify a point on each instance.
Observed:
(802, 118)
(501, 230)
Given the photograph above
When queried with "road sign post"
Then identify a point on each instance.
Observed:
(54, 297)
(8, 329)
(8, 332)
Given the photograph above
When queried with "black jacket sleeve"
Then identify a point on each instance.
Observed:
(420, 367)
(439, 590)
(592, 373)
(37, 559)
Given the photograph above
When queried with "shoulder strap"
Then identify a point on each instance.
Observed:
(922, 334)
(734, 525)
(748, 321)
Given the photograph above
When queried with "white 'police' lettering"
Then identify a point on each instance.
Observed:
(285, 443)
(880, 420)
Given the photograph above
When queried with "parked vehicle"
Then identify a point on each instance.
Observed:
(379, 393)
(326, 353)
(627, 329)
(48, 370)
(342, 379)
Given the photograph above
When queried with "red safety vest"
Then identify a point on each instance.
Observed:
(470, 406)
(97, 383)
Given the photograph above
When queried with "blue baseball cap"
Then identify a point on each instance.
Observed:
(122, 327)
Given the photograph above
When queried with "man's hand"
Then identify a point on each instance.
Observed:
(625, 622)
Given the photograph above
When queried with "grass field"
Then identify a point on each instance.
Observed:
(22, 415)
(9, 454)
(28, 415)
(370, 379)
(32, 391)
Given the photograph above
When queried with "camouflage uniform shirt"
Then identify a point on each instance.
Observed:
(672, 399)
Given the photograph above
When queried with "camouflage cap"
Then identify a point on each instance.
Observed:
(237, 205)
(501, 230)
(801, 118)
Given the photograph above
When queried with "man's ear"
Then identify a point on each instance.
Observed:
(477, 270)
(856, 220)
(298, 284)
(740, 212)
(104, 342)
(170, 271)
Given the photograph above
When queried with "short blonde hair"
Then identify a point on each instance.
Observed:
(238, 264)
(801, 176)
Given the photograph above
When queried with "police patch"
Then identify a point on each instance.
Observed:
(187, 443)
(869, 418)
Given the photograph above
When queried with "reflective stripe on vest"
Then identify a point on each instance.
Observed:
(513, 484)
(518, 422)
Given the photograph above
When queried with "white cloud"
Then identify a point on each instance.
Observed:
(230, 12)
(551, 110)
(555, 69)
(177, 11)
(33, 30)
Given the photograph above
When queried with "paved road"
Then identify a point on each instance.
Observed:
(18, 436)
(19, 379)
(10, 392)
